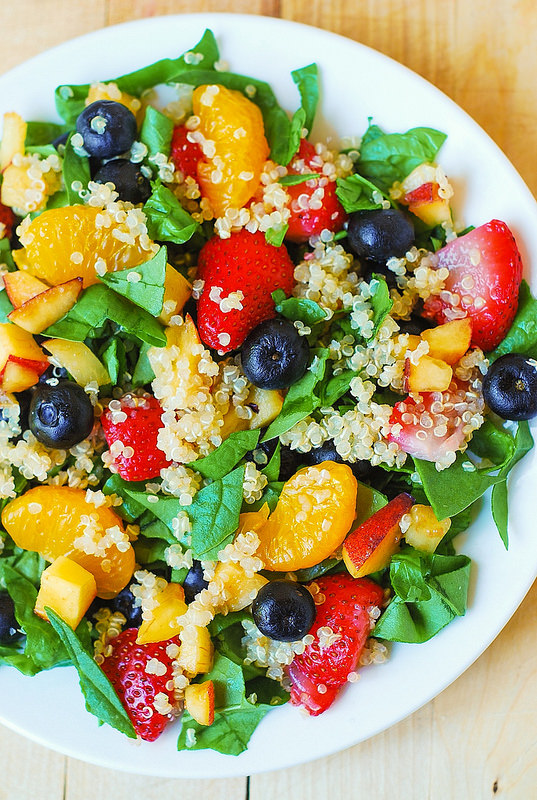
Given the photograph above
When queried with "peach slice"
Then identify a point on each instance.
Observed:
(162, 625)
(177, 290)
(17, 377)
(428, 375)
(78, 360)
(48, 307)
(450, 341)
(425, 530)
(423, 194)
(13, 138)
(196, 651)
(21, 287)
(371, 546)
(199, 702)
(66, 588)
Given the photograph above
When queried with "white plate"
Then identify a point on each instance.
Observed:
(357, 82)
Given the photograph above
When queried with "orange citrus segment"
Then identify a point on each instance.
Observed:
(314, 514)
(65, 243)
(53, 520)
(235, 147)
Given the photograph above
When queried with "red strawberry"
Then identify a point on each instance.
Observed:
(430, 427)
(485, 270)
(314, 204)
(247, 263)
(185, 154)
(319, 672)
(139, 432)
(137, 688)
(7, 218)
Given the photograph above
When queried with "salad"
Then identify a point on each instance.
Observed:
(252, 387)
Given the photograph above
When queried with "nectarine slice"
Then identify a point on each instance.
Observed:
(48, 307)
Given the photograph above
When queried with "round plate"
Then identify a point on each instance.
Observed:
(356, 83)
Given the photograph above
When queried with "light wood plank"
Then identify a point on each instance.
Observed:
(124, 10)
(29, 771)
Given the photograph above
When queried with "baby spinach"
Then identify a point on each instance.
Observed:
(307, 82)
(5, 305)
(272, 470)
(166, 218)
(222, 460)
(522, 335)
(101, 698)
(75, 170)
(430, 591)
(147, 290)
(381, 304)
(294, 180)
(5, 254)
(356, 193)
(275, 236)
(40, 133)
(298, 308)
(143, 371)
(115, 360)
(157, 131)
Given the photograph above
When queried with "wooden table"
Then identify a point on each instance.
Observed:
(478, 739)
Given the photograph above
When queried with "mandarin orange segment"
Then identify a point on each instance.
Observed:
(58, 521)
(314, 514)
(235, 147)
(65, 243)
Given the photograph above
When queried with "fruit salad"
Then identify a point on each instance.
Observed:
(252, 386)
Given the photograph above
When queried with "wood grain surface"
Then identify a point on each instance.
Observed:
(478, 739)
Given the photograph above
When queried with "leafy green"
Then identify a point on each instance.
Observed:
(298, 308)
(270, 496)
(499, 504)
(75, 169)
(148, 551)
(97, 305)
(275, 236)
(39, 133)
(356, 193)
(235, 717)
(114, 359)
(101, 698)
(307, 81)
(335, 387)
(272, 470)
(157, 131)
(368, 502)
(166, 218)
(130, 509)
(5, 254)
(294, 180)
(224, 458)
(147, 291)
(381, 304)
(522, 335)
(301, 399)
(389, 157)
(430, 591)
(143, 371)
(5, 306)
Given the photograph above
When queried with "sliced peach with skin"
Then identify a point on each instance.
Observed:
(21, 287)
(52, 521)
(17, 377)
(196, 651)
(371, 546)
(13, 138)
(425, 530)
(48, 307)
(428, 375)
(422, 194)
(163, 623)
(20, 346)
(199, 702)
(78, 360)
(450, 341)
(66, 588)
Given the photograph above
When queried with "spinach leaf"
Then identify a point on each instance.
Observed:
(101, 698)
(76, 170)
(166, 218)
(148, 551)
(157, 131)
(295, 134)
(271, 495)
(5, 254)
(389, 157)
(335, 387)
(147, 288)
(356, 193)
(493, 443)
(368, 502)
(499, 504)
(143, 371)
(40, 133)
(294, 180)
(5, 305)
(114, 359)
(222, 460)
(130, 509)
(522, 335)
(430, 591)
(381, 304)
(298, 308)
(307, 81)
(275, 236)
(272, 470)
(301, 399)
(97, 305)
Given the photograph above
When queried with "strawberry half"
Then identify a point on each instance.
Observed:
(320, 671)
(185, 154)
(139, 432)
(244, 263)
(485, 271)
(141, 675)
(314, 205)
(7, 219)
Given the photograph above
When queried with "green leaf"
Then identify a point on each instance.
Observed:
(70, 100)
(389, 157)
(114, 359)
(381, 303)
(148, 550)
(307, 81)
(336, 387)
(157, 131)
(294, 180)
(101, 698)
(224, 458)
(493, 443)
(97, 305)
(147, 290)
(272, 470)
(301, 398)
(40, 133)
(356, 193)
(522, 335)
(75, 169)
(368, 502)
(295, 134)
(430, 591)
(166, 218)
(130, 509)
(499, 504)
(5, 254)
(143, 371)
(275, 236)
(298, 308)
(5, 305)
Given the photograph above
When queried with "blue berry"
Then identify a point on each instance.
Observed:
(283, 610)
(510, 387)
(194, 581)
(108, 128)
(327, 452)
(380, 234)
(124, 603)
(274, 355)
(9, 628)
(60, 416)
(131, 184)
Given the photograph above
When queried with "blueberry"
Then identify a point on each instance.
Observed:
(274, 355)
(131, 184)
(327, 452)
(415, 325)
(510, 387)
(9, 628)
(60, 416)
(373, 270)
(124, 603)
(108, 128)
(283, 610)
(290, 460)
(380, 234)
(194, 581)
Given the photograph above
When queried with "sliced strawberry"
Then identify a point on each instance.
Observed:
(185, 154)
(314, 204)
(322, 669)
(431, 425)
(7, 219)
(139, 432)
(244, 263)
(485, 270)
(142, 675)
